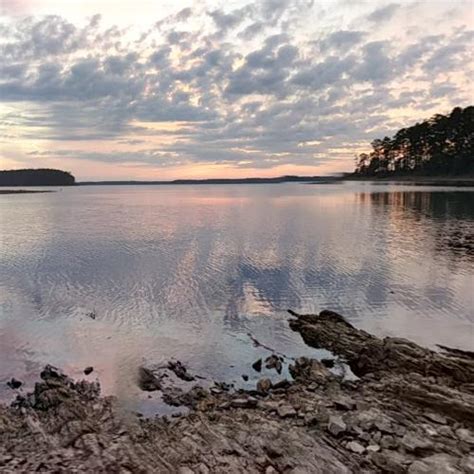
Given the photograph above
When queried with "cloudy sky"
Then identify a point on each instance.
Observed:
(161, 89)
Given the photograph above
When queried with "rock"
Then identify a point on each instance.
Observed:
(225, 387)
(88, 370)
(389, 442)
(264, 385)
(185, 470)
(429, 430)
(286, 411)
(365, 437)
(180, 371)
(310, 419)
(282, 385)
(248, 402)
(329, 363)
(269, 405)
(445, 431)
(271, 470)
(384, 425)
(377, 436)
(465, 435)
(147, 380)
(344, 403)
(435, 464)
(436, 418)
(273, 362)
(467, 464)
(310, 370)
(14, 383)
(245, 377)
(414, 443)
(389, 461)
(257, 365)
(373, 448)
(355, 447)
(336, 425)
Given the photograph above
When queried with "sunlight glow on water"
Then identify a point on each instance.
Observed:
(188, 271)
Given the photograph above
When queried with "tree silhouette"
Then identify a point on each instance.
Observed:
(39, 177)
(441, 145)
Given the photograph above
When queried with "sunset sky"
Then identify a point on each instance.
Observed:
(156, 89)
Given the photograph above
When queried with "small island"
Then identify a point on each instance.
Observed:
(36, 177)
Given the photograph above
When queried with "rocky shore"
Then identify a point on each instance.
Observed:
(409, 409)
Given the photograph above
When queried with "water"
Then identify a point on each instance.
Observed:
(188, 271)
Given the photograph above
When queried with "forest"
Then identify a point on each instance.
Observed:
(440, 146)
(36, 177)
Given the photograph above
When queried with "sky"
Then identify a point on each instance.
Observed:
(137, 89)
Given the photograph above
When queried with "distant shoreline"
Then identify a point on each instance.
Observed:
(461, 181)
(277, 180)
(23, 191)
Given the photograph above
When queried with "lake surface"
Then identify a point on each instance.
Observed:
(188, 272)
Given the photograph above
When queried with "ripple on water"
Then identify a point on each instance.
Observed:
(188, 272)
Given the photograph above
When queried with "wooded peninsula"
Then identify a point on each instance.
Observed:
(440, 146)
(36, 177)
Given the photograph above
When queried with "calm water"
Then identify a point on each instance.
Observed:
(189, 271)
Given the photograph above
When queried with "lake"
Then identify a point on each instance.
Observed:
(190, 272)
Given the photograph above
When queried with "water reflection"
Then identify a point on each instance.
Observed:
(187, 272)
(413, 211)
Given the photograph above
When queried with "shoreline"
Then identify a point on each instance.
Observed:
(410, 410)
(24, 191)
(466, 181)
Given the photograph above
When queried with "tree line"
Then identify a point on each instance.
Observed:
(38, 177)
(441, 145)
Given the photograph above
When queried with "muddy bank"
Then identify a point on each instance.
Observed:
(410, 410)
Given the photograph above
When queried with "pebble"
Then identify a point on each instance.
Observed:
(286, 411)
(257, 365)
(344, 403)
(14, 383)
(248, 402)
(264, 385)
(388, 442)
(373, 448)
(88, 370)
(355, 447)
(336, 425)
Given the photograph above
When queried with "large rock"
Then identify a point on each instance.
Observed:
(435, 464)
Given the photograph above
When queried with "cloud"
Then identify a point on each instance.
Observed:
(259, 86)
(343, 39)
(383, 14)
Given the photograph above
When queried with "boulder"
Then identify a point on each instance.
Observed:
(336, 425)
